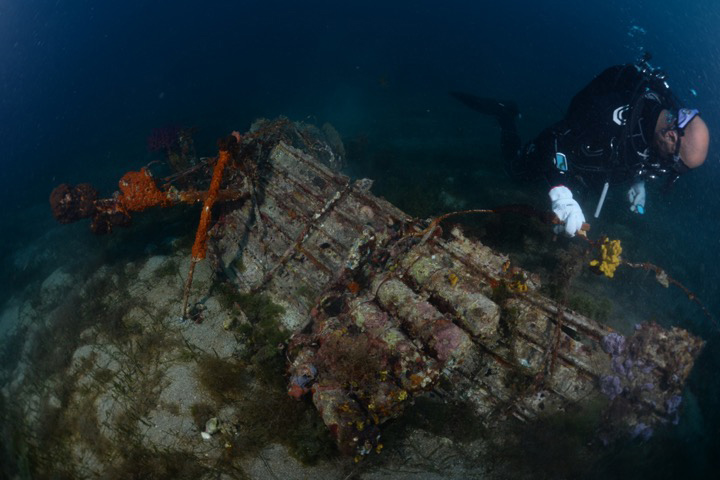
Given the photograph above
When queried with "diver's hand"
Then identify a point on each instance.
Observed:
(567, 210)
(636, 197)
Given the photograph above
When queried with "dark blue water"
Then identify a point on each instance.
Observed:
(82, 84)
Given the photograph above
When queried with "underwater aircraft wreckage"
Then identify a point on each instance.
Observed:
(384, 307)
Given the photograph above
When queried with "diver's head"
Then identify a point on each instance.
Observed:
(681, 139)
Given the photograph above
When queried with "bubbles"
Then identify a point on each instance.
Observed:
(636, 31)
(636, 43)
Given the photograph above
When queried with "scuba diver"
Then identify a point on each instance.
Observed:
(624, 127)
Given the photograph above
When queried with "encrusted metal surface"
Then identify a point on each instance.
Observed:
(361, 283)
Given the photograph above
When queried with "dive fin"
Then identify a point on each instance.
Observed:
(503, 110)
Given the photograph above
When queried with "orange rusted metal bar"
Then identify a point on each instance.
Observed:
(199, 248)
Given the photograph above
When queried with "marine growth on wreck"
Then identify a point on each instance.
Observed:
(375, 309)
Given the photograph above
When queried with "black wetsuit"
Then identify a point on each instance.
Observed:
(606, 135)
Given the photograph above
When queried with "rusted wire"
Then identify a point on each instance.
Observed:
(664, 279)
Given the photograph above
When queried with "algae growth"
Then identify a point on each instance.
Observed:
(255, 385)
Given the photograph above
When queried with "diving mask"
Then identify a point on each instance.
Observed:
(685, 116)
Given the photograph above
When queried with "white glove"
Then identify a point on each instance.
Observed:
(636, 197)
(567, 210)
